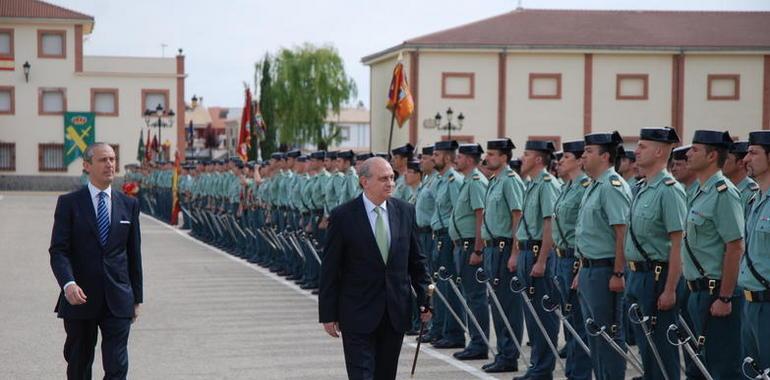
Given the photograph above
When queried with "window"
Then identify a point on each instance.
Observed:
(7, 156)
(345, 133)
(457, 85)
(50, 158)
(151, 99)
(51, 44)
(724, 87)
(544, 86)
(6, 44)
(631, 87)
(7, 101)
(116, 148)
(52, 101)
(104, 101)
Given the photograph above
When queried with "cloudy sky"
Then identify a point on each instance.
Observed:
(223, 39)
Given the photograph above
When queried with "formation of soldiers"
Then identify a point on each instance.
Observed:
(665, 247)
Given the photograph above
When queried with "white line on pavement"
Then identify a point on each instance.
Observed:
(435, 354)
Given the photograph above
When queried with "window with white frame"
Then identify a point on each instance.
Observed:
(52, 101)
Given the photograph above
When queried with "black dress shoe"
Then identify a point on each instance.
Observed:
(499, 366)
(315, 291)
(443, 343)
(412, 333)
(469, 355)
(426, 337)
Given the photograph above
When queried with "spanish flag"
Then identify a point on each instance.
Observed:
(400, 100)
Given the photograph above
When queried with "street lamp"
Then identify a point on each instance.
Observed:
(449, 127)
(26, 66)
(194, 102)
(160, 113)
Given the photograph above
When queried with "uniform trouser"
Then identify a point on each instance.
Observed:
(428, 249)
(643, 290)
(604, 307)
(452, 332)
(496, 268)
(275, 252)
(683, 297)
(425, 240)
(475, 295)
(542, 360)
(578, 363)
(756, 332)
(722, 351)
(312, 268)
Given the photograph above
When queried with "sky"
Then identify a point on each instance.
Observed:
(223, 39)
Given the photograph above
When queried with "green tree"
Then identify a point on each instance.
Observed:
(268, 143)
(309, 82)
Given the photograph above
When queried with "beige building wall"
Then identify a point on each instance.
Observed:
(380, 120)
(26, 128)
(739, 116)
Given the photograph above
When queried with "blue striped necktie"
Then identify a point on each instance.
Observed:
(102, 219)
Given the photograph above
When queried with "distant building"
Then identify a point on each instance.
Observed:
(354, 128)
(48, 39)
(560, 74)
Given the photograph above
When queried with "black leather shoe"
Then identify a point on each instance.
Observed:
(426, 337)
(412, 333)
(498, 367)
(443, 343)
(315, 291)
(469, 355)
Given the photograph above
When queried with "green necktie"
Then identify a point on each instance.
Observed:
(381, 234)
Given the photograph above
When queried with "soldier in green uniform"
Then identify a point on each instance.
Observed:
(502, 212)
(425, 207)
(682, 172)
(735, 171)
(447, 190)
(565, 212)
(713, 245)
(600, 233)
(412, 179)
(465, 232)
(316, 198)
(348, 187)
(515, 165)
(652, 250)
(535, 243)
(754, 275)
(360, 158)
(629, 171)
(401, 156)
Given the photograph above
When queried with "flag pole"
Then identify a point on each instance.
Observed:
(393, 111)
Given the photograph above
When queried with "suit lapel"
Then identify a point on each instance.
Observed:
(393, 224)
(363, 220)
(87, 209)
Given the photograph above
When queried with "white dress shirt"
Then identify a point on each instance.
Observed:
(95, 200)
(372, 215)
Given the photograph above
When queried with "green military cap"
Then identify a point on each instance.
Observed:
(293, 153)
(680, 153)
(664, 135)
(414, 166)
(302, 158)
(540, 145)
(715, 138)
(740, 148)
(603, 138)
(427, 150)
(318, 155)
(515, 164)
(276, 156)
(450, 145)
(577, 146)
(405, 151)
(364, 156)
(630, 155)
(471, 149)
(346, 155)
(332, 155)
(501, 144)
(759, 138)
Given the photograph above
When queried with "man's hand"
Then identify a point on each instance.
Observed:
(323, 223)
(136, 313)
(426, 316)
(721, 309)
(617, 284)
(333, 329)
(75, 295)
(667, 300)
(575, 281)
(476, 259)
(538, 270)
(513, 259)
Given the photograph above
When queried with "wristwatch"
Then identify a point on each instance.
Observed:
(618, 274)
(725, 299)
(477, 253)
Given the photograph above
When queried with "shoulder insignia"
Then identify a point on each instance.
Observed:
(476, 177)
(615, 181)
(451, 177)
(585, 182)
(752, 199)
(547, 178)
(753, 186)
(512, 174)
(669, 181)
(721, 186)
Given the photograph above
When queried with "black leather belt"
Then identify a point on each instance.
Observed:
(499, 243)
(441, 231)
(565, 253)
(530, 245)
(761, 296)
(424, 230)
(647, 266)
(596, 263)
(464, 243)
(704, 285)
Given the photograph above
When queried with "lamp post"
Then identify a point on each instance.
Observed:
(161, 114)
(449, 127)
(26, 66)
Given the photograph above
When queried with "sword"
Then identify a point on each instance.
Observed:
(264, 236)
(557, 308)
(636, 317)
(431, 287)
(467, 308)
(528, 302)
(747, 362)
(187, 214)
(681, 340)
(499, 307)
(451, 311)
(248, 231)
(313, 251)
(237, 226)
(593, 329)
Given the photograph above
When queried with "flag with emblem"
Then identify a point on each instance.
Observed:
(400, 100)
(79, 133)
(244, 138)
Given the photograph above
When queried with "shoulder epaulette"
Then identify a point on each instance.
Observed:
(752, 199)
(720, 186)
(547, 178)
(451, 177)
(512, 174)
(753, 186)
(476, 177)
(339, 174)
(615, 181)
(669, 181)
(585, 182)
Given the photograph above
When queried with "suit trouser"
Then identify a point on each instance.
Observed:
(722, 351)
(452, 332)
(604, 306)
(373, 356)
(496, 267)
(425, 240)
(578, 364)
(475, 295)
(81, 341)
(756, 332)
(642, 289)
(543, 361)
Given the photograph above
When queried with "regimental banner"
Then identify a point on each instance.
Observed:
(79, 133)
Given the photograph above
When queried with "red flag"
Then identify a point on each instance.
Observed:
(244, 138)
(400, 100)
(148, 148)
(174, 193)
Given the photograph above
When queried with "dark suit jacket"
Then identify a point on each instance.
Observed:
(111, 274)
(356, 287)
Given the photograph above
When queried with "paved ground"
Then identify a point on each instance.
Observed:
(206, 315)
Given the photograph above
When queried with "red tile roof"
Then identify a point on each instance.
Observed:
(39, 9)
(604, 29)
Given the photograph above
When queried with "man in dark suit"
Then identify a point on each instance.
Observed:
(96, 258)
(372, 260)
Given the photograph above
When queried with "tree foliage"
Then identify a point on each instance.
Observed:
(267, 143)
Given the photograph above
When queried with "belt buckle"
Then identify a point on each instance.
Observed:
(439, 244)
(559, 252)
(531, 290)
(658, 270)
(701, 340)
(712, 285)
(535, 248)
(466, 244)
(568, 307)
(748, 296)
(501, 244)
(576, 265)
(632, 266)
